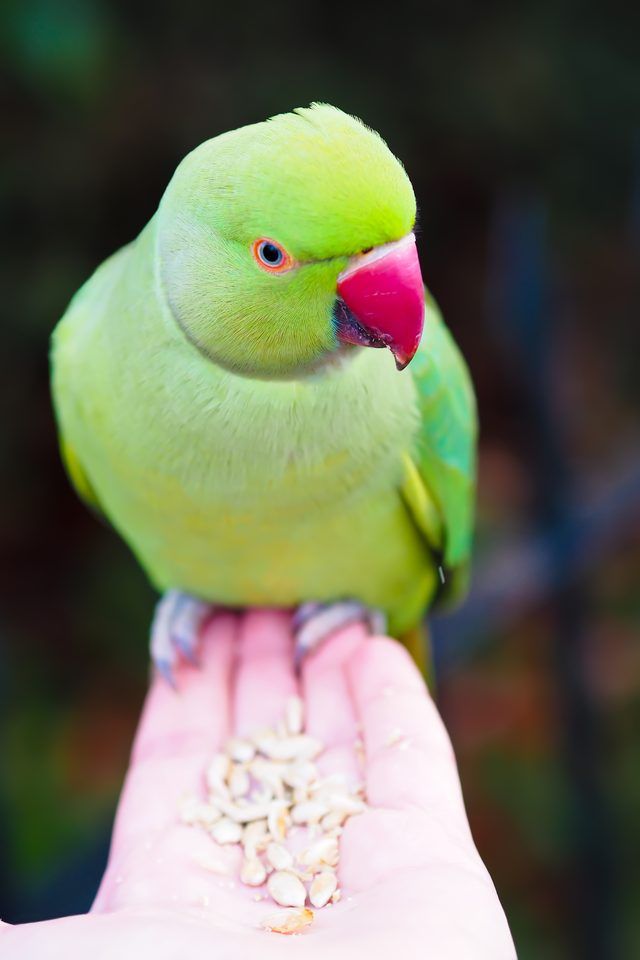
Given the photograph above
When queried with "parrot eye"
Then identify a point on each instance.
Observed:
(271, 256)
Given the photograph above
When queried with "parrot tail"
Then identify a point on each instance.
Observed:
(418, 642)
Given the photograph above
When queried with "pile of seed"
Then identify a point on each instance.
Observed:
(265, 794)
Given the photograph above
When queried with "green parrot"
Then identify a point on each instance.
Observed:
(224, 397)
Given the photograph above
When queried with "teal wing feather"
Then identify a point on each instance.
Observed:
(440, 476)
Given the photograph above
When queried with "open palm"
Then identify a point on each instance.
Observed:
(412, 881)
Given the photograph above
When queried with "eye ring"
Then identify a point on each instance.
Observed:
(270, 255)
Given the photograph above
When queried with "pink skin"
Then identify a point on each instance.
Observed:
(413, 882)
(384, 291)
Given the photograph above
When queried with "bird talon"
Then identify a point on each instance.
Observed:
(313, 623)
(175, 630)
(187, 649)
(165, 669)
(304, 613)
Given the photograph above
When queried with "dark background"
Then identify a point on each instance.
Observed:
(519, 125)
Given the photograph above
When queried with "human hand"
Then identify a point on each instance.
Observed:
(412, 882)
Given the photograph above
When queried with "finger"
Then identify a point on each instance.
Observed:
(178, 732)
(408, 755)
(329, 709)
(264, 673)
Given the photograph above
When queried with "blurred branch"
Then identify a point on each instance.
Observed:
(521, 574)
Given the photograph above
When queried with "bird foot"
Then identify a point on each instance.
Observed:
(315, 622)
(175, 631)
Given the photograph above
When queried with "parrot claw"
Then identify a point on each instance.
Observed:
(165, 670)
(175, 630)
(304, 613)
(315, 622)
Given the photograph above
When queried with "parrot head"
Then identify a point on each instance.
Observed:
(287, 245)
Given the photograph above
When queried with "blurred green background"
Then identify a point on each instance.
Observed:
(519, 125)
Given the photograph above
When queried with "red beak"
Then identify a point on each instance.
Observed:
(382, 296)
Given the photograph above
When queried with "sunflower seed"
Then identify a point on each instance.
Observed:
(300, 795)
(194, 810)
(216, 774)
(208, 814)
(335, 783)
(261, 795)
(254, 837)
(279, 857)
(278, 819)
(286, 889)
(299, 775)
(188, 809)
(294, 715)
(214, 863)
(342, 803)
(242, 751)
(244, 813)
(261, 734)
(323, 851)
(300, 747)
(333, 820)
(226, 831)
(311, 811)
(322, 888)
(239, 782)
(253, 872)
(262, 788)
(288, 921)
(268, 775)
